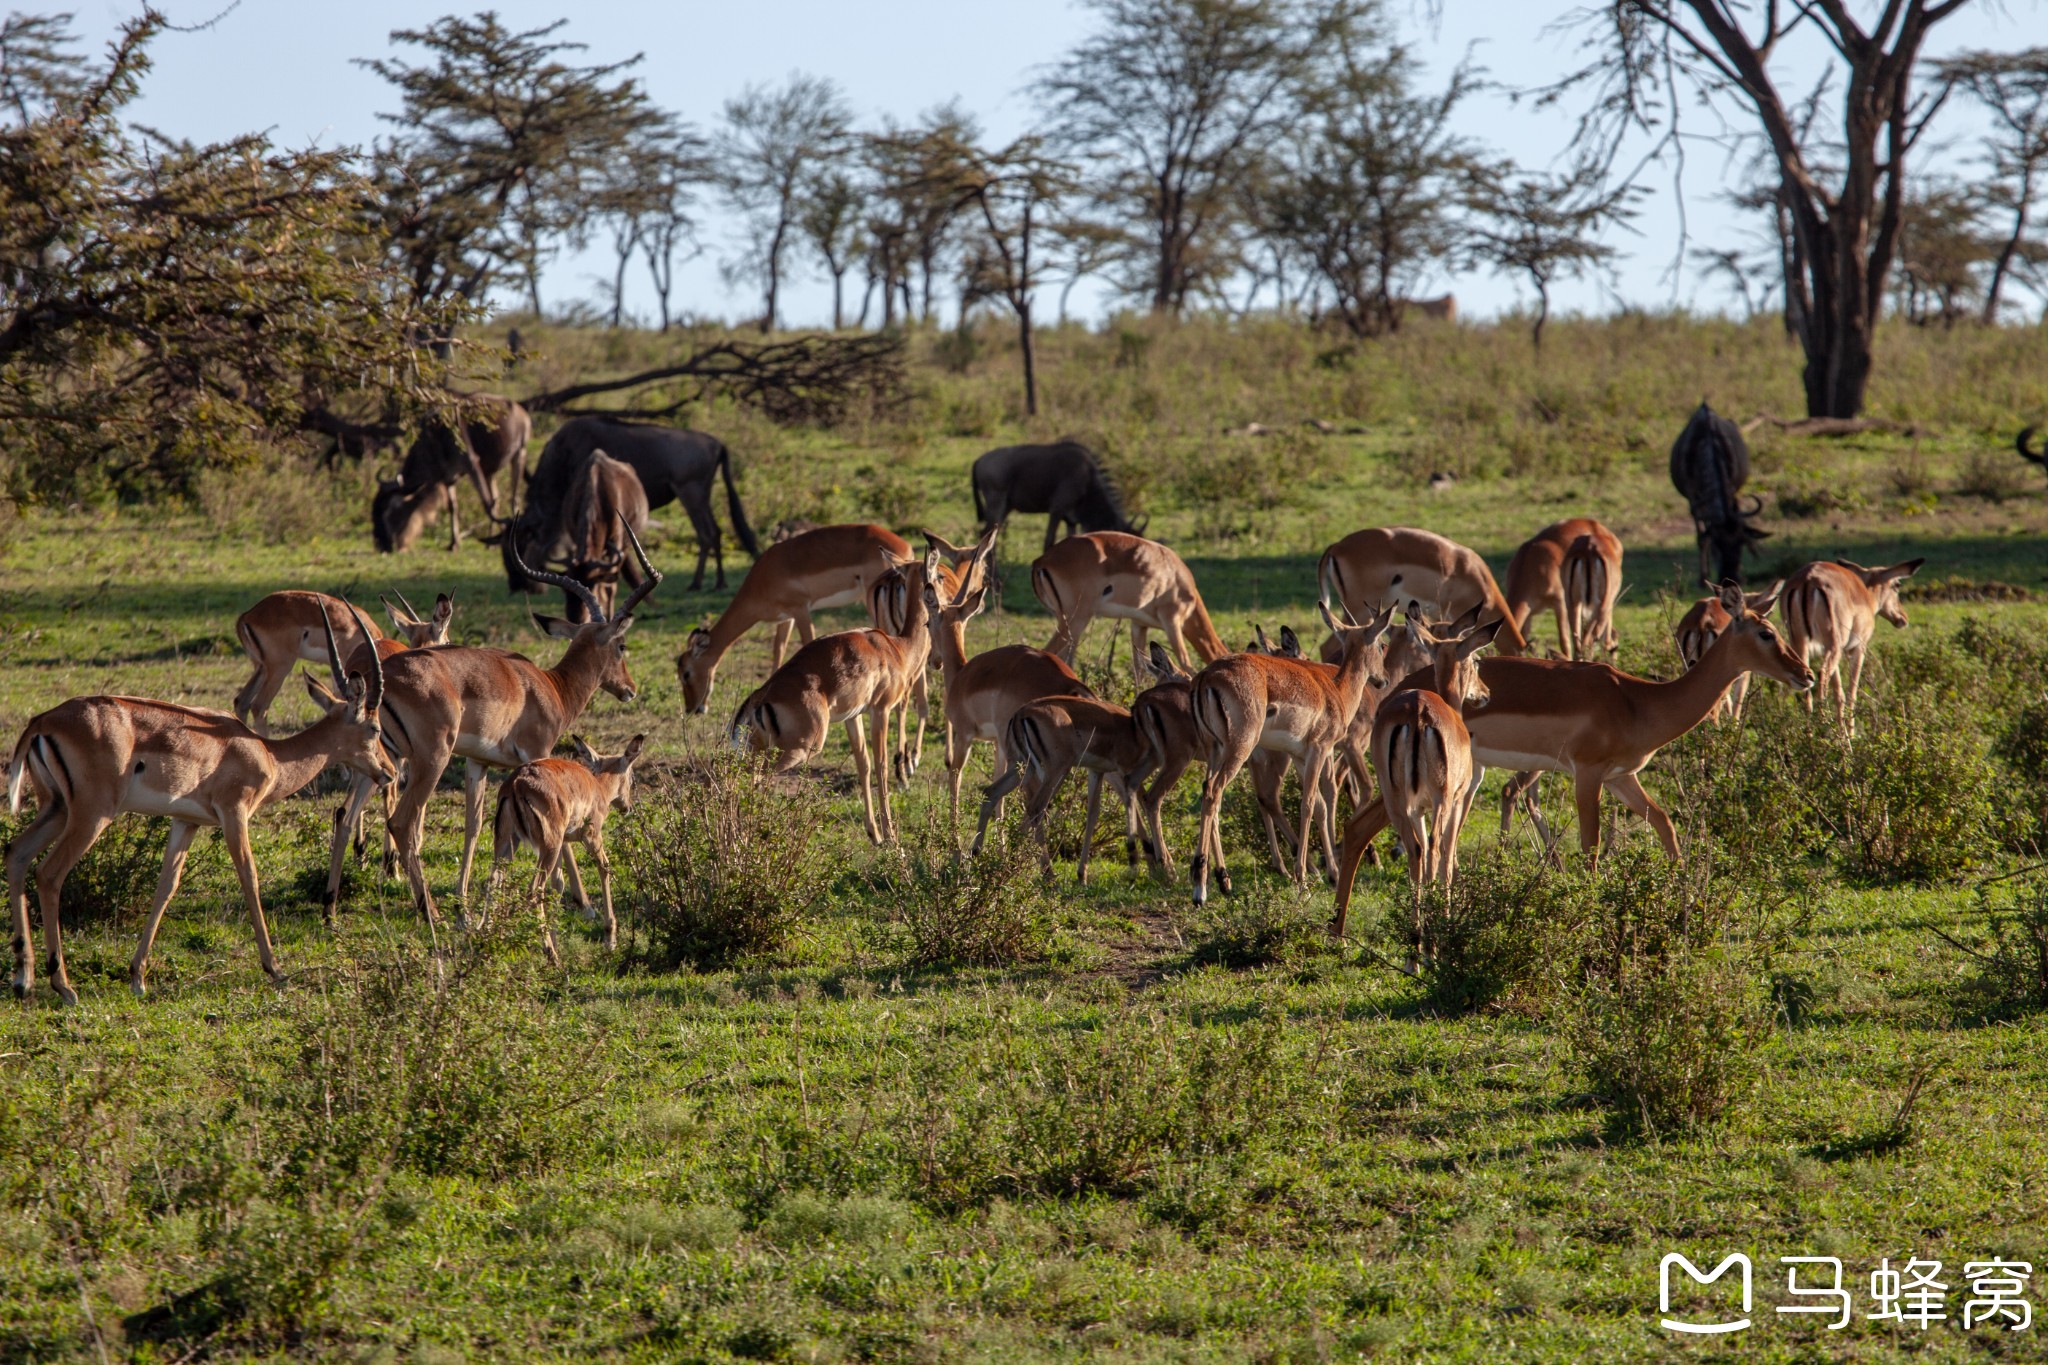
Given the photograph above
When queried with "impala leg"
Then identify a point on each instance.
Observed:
(958, 745)
(345, 819)
(1360, 830)
(1847, 706)
(1177, 643)
(252, 703)
(575, 879)
(595, 840)
(880, 726)
(541, 877)
(408, 822)
(1223, 766)
(1311, 787)
(1088, 826)
(1629, 788)
(78, 835)
(1586, 793)
(454, 519)
(175, 847)
(234, 831)
(473, 793)
(1007, 781)
(781, 643)
(857, 735)
(806, 628)
(48, 824)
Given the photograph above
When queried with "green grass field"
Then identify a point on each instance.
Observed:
(1162, 1133)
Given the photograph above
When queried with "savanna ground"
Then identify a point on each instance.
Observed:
(840, 1102)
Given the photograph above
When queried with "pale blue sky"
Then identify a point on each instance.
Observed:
(283, 65)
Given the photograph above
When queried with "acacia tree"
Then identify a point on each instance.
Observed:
(915, 169)
(1847, 223)
(645, 200)
(830, 220)
(1013, 192)
(500, 147)
(1366, 188)
(1544, 227)
(2013, 88)
(771, 139)
(165, 306)
(1174, 102)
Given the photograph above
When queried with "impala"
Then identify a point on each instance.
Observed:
(889, 609)
(855, 678)
(286, 627)
(829, 567)
(1164, 716)
(546, 802)
(493, 709)
(1595, 722)
(1702, 624)
(1049, 738)
(94, 758)
(1831, 610)
(1386, 567)
(1572, 569)
(1422, 756)
(1303, 709)
(1127, 578)
(983, 692)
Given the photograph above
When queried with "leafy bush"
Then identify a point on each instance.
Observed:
(2011, 958)
(1111, 1112)
(1506, 937)
(1259, 926)
(991, 909)
(720, 865)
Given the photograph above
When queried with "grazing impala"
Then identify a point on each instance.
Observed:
(1831, 610)
(855, 678)
(94, 758)
(1596, 723)
(1049, 738)
(493, 709)
(1251, 701)
(287, 627)
(1422, 756)
(829, 567)
(1385, 567)
(1702, 624)
(1571, 569)
(1129, 578)
(546, 802)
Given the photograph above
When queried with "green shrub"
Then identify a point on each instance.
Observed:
(991, 909)
(720, 865)
(1259, 926)
(2011, 957)
(1507, 937)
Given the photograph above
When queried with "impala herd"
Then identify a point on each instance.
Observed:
(1403, 715)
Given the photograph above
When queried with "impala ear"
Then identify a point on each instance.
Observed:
(322, 695)
(1730, 595)
(1763, 602)
(1900, 571)
(556, 626)
(1479, 637)
(581, 748)
(444, 607)
(398, 618)
(1290, 643)
(1468, 620)
(633, 748)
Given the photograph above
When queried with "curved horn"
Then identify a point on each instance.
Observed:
(374, 698)
(647, 584)
(2037, 456)
(1756, 505)
(562, 581)
(334, 653)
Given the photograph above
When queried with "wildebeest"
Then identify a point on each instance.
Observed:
(602, 505)
(1064, 480)
(439, 458)
(672, 465)
(1709, 465)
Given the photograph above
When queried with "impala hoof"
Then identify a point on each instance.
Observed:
(138, 988)
(67, 996)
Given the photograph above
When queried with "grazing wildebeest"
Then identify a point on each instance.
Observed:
(672, 465)
(602, 504)
(1709, 464)
(1063, 480)
(439, 458)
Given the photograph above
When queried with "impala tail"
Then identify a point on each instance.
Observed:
(17, 772)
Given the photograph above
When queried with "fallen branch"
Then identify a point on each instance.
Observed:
(1831, 426)
(806, 379)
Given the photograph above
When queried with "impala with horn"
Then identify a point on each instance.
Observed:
(493, 709)
(287, 627)
(92, 759)
(1595, 722)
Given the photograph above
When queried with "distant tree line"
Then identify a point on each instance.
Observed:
(1229, 156)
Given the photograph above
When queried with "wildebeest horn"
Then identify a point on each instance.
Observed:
(2039, 457)
(647, 584)
(1756, 505)
(562, 581)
